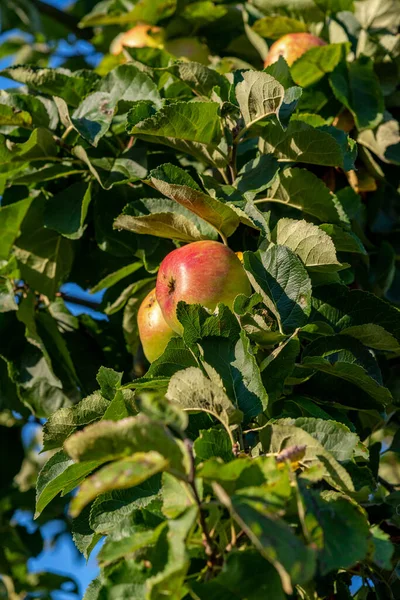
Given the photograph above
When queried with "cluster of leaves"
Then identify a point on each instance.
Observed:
(258, 455)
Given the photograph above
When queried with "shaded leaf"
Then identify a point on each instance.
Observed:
(281, 279)
(120, 474)
(313, 145)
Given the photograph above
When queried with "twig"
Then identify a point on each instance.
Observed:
(209, 545)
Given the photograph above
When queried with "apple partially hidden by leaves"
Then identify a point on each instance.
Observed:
(203, 273)
(154, 332)
(189, 49)
(291, 46)
(140, 36)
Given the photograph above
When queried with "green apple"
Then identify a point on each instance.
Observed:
(154, 332)
(203, 273)
(291, 46)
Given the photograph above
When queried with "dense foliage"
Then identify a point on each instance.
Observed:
(258, 456)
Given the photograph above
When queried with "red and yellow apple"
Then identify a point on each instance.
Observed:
(139, 36)
(203, 273)
(154, 332)
(291, 46)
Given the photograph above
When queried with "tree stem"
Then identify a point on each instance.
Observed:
(208, 542)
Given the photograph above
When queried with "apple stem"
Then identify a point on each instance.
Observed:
(224, 176)
(223, 237)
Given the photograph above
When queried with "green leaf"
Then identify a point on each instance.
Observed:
(340, 356)
(119, 407)
(176, 184)
(257, 175)
(278, 366)
(301, 189)
(245, 575)
(277, 26)
(359, 314)
(175, 496)
(7, 296)
(11, 217)
(357, 86)
(109, 382)
(193, 391)
(236, 364)
(114, 549)
(165, 218)
(109, 440)
(330, 518)
(85, 539)
(259, 95)
(273, 538)
(93, 117)
(39, 146)
(211, 443)
(120, 474)
(55, 82)
(276, 438)
(192, 127)
(381, 548)
(316, 62)
(345, 241)
(58, 474)
(200, 78)
(12, 116)
(281, 279)
(42, 111)
(121, 86)
(66, 211)
(130, 166)
(44, 256)
(310, 243)
(198, 323)
(313, 145)
(384, 141)
(113, 278)
(176, 356)
(66, 420)
(110, 12)
(109, 510)
(170, 580)
(335, 437)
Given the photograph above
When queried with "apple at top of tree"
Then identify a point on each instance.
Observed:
(143, 35)
(203, 273)
(291, 46)
(139, 36)
(154, 332)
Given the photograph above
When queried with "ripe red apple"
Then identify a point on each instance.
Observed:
(139, 36)
(154, 332)
(203, 273)
(291, 46)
